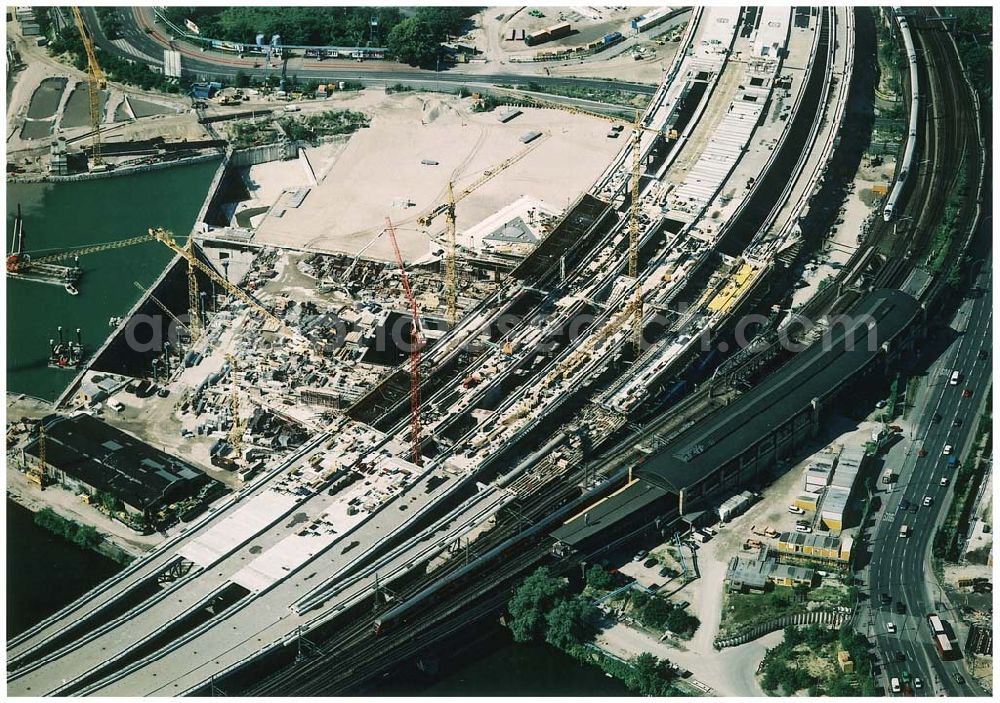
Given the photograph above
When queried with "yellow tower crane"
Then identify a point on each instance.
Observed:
(187, 251)
(96, 82)
(239, 426)
(193, 309)
(633, 225)
(450, 274)
(37, 473)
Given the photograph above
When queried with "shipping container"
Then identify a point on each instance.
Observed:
(536, 38)
(557, 31)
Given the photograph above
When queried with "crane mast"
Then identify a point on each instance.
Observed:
(633, 237)
(96, 82)
(450, 274)
(238, 427)
(416, 342)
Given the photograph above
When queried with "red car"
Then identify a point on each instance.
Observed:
(922, 452)
(967, 393)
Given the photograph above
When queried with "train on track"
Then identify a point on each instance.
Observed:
(909, 151)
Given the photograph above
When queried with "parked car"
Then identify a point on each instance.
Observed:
(890, 627)
(650, 563)
(803, 528)
(163, 392)
(681, 604)
(795, 510)
(640, 555)
(664, 572)
(881, 404)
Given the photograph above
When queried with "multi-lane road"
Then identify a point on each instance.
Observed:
(900, 566)
(142, 39)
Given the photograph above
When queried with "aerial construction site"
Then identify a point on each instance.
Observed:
(563, 295)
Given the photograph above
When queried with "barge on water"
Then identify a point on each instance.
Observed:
(20, 265)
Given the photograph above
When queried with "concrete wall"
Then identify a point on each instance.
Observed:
(242, 158)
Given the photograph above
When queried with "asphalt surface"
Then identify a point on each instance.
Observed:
(901, 566)
(202, 65)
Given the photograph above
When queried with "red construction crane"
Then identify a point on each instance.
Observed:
(416, 342)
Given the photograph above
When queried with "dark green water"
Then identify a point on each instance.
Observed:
(499, 667)
(45, 572)
(62, 215)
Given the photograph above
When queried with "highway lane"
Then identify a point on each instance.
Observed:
(900, 566)
(197, 64)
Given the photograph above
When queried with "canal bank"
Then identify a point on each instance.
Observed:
(66, 215)
(44, 571)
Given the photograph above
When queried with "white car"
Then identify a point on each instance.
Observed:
(928, 501)
(917, 683)
(947, 449)
(803, 528)
(944, 481)
(890, 627)
(796, 510)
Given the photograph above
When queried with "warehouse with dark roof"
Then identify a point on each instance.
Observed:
(86, 455)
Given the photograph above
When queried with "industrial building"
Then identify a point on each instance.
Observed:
(755, 573)
(816, 547)
(90, 457)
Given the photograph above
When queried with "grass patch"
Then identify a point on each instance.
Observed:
(741, 610)
(948, 227)
(806, 660)
(312, 128)
(83, 536)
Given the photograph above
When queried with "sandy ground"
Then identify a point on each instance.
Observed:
(379, 171)
(729, 672)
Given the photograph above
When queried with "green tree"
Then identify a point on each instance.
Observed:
(680, 622)
(242, 80)
(569, 623)
(652, 675)
(598, 578)
(657, 612)
(412, 41)
(532, 600)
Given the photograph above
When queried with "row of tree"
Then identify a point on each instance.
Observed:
(414, 39)
(118, 69)
(543, 608)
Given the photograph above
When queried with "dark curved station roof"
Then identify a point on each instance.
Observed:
(850, 344)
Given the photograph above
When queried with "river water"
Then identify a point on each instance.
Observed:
(62, 215)
(45, 572)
